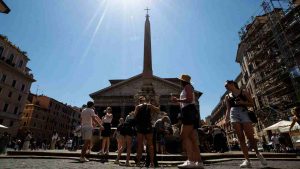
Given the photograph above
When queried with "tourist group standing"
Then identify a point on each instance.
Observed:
(151, 132)
(148, 131)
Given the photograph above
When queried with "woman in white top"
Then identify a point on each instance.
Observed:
(190, 123)
(106, 120)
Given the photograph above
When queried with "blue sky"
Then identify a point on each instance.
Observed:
(75, 47)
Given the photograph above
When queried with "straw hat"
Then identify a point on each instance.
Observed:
(185, 78)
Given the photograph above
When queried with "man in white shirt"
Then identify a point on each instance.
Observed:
(88, 116)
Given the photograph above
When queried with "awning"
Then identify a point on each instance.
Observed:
(1, 126)
(287, 129)
(279, 125)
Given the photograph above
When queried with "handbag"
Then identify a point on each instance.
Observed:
(252, 116)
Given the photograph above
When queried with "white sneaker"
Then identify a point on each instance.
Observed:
(187, 164)
(199, 165)
(127, 164)
(83, 159)
(262, 159)
(117, 162)
(246, 164)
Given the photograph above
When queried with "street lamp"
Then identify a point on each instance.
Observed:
(4, 8)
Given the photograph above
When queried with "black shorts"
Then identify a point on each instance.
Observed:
(127, 131)
(107, 130)
(190, 115)
(144, 130)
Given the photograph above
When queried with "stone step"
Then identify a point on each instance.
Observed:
(160, 157)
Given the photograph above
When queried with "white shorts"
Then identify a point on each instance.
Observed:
(87, 132)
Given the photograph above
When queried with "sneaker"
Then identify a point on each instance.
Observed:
(127, 164)
(246, 164)
(83, 159)
(199, 165)
(117, 162)
(100, 153)
(262, 159)
(187, 164)
(106, 153)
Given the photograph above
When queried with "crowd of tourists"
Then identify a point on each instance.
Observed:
(150, 135)
(149, 132)
(141, 132)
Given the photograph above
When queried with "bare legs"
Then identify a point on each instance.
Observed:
(120, 141)
(240, 129)
(87, 144)
(188, 136)
(140, 140)
(105, 145)
(126, 143)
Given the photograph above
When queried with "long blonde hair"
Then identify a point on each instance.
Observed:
(296, 111)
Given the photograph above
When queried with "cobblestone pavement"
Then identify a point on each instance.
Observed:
(9, 163)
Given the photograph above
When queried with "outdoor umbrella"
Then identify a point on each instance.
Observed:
(279, 125)
(1, 126)
(287, 128)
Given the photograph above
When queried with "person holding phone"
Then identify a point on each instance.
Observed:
(190, 123)
(237, 102)
(142, 114)
(106, 119)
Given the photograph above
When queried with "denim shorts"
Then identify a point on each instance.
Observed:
(239, 115)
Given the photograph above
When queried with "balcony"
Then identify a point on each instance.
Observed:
(269, 75)
(7, 63)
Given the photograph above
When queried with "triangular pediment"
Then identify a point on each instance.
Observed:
(133, 85)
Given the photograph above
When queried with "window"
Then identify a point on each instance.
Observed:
(20, 64)
(1, 121)
(3, 78)
(9, 94)
(23, 87)
(5, 107)
(11, 123)
(19, 98)
(11, 58)
(14, 83)
(1, 50)
(16, 110)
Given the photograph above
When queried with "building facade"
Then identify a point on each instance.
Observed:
(269, 57)
(44, 115)
(15, 83)
(122, 94)
(268, 52)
